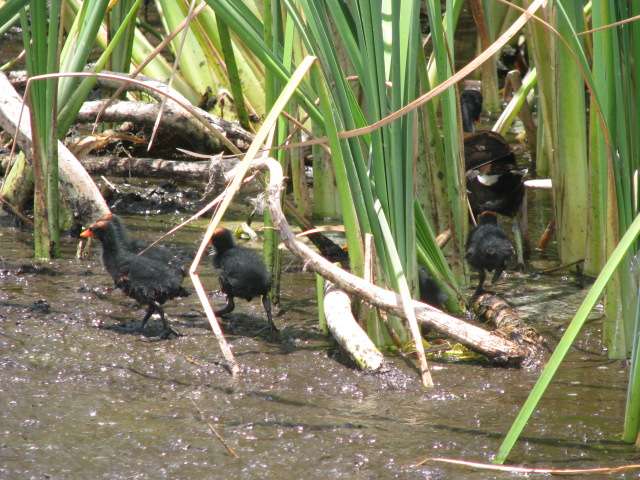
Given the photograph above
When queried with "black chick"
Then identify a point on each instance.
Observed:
(430, 291)
(471, 108)
(157, 252)
(146, 280)
(488, 248)
(243, 273)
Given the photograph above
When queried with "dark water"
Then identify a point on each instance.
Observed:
(83, 397)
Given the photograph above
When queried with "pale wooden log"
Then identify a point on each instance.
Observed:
(347, 332)
(78, 190)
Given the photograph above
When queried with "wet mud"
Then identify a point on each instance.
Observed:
(85, 396)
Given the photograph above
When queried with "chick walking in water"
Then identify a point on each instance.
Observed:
(488, 248)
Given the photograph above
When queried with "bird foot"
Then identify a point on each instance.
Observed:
(170, 332)
(479, 291)
(164, 335)
(273, 332)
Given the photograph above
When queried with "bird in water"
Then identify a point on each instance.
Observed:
(148, 280)
(430, 291)
(242, 273)
(470, 108)
(488, 248)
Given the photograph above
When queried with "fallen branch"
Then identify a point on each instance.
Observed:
(177, 124)
(77, 188)
(176, 121)
(215, 172)
(507, 323)
(347, 332)
(494, 346)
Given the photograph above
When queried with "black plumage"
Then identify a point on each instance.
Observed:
(488, 248)
(157, 252)
(242, 273)
(430, 291)
(494, 182)
(470, 108)
(147, 280)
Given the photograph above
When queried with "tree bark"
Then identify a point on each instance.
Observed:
(216, 169)
(496, 312)
(177, 125)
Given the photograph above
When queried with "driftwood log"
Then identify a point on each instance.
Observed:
(214, 173)
(345, 329)
(177, 125)
(507, 323)
(77, 189)
(496, 347)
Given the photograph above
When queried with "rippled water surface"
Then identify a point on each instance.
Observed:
(85, 397)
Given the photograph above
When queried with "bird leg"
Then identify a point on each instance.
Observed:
(266, 303)
(147, 316)
(479, 290)
(496, 275)
(228, 308)
(167, 331)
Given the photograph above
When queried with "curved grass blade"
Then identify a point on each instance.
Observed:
(609, 269)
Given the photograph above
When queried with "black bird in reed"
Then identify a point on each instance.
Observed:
(430, 291)
(243, 273)
(470, 108)
(488, 248)
(147, 280)
(494, 181)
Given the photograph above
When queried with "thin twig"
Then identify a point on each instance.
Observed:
(16, 211)
(231, 451)
(514, 469)
(561, 267)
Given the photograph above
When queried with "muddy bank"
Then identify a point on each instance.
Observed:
(85, 396)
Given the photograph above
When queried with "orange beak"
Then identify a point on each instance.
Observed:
(87, 234)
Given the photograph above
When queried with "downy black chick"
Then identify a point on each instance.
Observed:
(157, 252)
(430, 291)
(243, 273)
(148, 281)
(488, 248)
(470, 108)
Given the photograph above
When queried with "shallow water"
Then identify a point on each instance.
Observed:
(86, 397)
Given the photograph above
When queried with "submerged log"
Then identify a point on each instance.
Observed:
(78, 191)
(345, 329)
(491, 344)
(507, 323)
